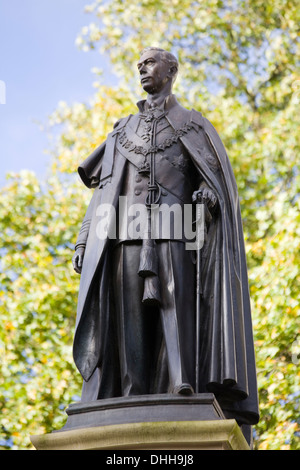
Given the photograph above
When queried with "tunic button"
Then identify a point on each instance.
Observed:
(138, 178)
(137, 192)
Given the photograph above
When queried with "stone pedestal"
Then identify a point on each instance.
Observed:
(152, 422)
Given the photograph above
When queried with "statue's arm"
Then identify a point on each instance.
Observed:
(81, 241)
(204, 192)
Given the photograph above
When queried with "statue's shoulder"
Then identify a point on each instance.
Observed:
(181, 116)
(122, 122)
(197, 118)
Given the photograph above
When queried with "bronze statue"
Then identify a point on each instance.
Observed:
(150, 318)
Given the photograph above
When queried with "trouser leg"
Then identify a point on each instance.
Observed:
(134, 323)
(177, 276)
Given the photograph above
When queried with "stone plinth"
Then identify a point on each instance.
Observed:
(152, 422)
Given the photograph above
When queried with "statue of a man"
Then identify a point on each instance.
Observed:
(137, 331)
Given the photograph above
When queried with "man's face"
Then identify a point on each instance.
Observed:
(154, 72)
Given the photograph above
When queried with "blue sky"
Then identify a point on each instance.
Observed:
(40, 66)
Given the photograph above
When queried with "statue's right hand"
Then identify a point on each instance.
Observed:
(77, 259)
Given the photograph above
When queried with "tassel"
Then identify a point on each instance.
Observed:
(148, 269)
(148, 259)
(151, 291)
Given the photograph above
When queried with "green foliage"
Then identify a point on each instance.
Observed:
(240, 67)
(37, 304)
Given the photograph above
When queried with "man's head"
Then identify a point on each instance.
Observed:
(158, 69)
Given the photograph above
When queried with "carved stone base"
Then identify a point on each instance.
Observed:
(152, 422)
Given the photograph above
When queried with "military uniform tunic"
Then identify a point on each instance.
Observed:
(175, 174)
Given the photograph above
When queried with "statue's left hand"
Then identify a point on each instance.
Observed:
(77, 259)
(207, 195)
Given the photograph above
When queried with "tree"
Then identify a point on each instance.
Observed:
(240, 68)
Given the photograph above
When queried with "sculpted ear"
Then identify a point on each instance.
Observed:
(173, 70)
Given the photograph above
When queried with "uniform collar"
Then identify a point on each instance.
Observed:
(163, 104)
